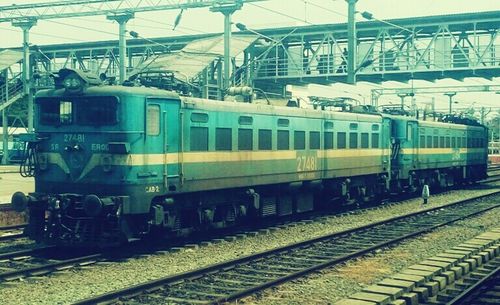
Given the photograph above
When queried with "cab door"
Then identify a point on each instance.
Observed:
(163, 136)
(386, 143)
(410, 159)
(154, 151)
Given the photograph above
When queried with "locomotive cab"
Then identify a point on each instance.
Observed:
(88, 160)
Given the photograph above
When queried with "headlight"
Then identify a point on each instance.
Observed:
(73, 82)
(43, 161)
(106, 163)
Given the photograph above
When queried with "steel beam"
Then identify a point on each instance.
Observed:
(82, 8)
(351, 42)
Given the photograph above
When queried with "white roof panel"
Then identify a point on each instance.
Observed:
(9, 57)
(195, 56)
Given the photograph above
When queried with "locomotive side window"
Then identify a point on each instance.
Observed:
(245, 139)
(223, 140)
(364, 140)
(353, 140)
(409, 131)
(265, 139)
(199, 117)
(283, 122)
(429, 141)
(283, 140)
(375, 137)
(299, 140)
(245, 120)
(341, 140)
(55, 112)
(436, 142)
(328, 140)
(199, 139)
(453, 142)
(314, 141)
(153, 120)
(96, 111)
(448, 143)
(422, 141)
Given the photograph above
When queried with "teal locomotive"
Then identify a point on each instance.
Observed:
(116, 163)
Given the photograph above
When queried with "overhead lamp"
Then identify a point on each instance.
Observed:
(241, 26)
(136, 35)
(367, 15)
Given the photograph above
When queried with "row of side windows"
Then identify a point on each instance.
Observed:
(450, 142)
(223, 139)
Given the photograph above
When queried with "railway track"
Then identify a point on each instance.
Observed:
(11, 232)
(40, 261)
(480, 287)
(244, 276)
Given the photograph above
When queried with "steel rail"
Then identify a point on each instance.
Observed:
(46, 268)
(170, 283)
(12, 227)
(11, 236)
(27, 252)
(5, 237)
(480, 287)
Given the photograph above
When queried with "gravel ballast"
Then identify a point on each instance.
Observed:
(75, 284)
(329, 286)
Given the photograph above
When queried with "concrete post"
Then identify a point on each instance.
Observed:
(227, 49)
(227, 9)
(26, 25)
(122, 20)
(351, 42)
(5, 125)
(450, 95)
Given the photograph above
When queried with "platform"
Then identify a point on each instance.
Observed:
(11, 182)
(9, 169)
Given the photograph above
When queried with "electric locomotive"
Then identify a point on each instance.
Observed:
(115, 163)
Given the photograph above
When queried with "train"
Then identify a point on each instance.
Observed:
(115, 163)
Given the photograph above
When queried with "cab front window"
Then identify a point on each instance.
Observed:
(93, 110)
(96, 111)
(56, 112)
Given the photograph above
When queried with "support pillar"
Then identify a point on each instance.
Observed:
(26, 25)
(402, 97)
(228, 10)
(122, 20)
(450, 96)
(5, 124)
(351, 42)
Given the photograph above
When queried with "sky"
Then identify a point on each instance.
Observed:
(265, 14)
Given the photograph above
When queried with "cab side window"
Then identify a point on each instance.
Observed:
(153, 120)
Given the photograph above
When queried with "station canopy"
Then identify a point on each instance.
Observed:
(8, 58)
(195, 56)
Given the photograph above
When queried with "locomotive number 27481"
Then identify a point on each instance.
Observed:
(307, 163)
(74, 137)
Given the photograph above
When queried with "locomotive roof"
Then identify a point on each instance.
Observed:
(434, 124)
(248, 108)
(448, 125)
(213, 105)
(115, 90)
